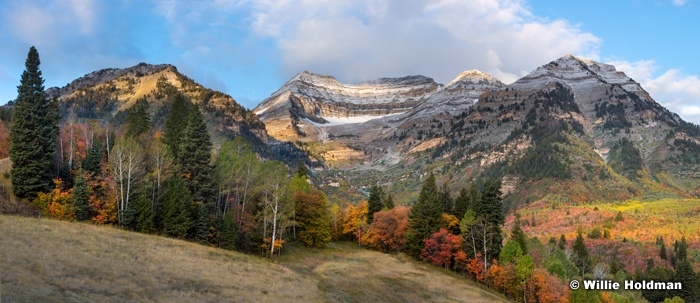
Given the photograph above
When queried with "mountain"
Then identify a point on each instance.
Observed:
(106, 94)
(572, 128)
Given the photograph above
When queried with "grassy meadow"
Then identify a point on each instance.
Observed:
(43, 260)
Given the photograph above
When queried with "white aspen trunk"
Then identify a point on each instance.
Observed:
(70, 156)
(274, 221)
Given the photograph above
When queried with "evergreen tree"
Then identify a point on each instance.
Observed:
(581, 251)
(425, 217)
(518, 235)
(138, 120)
(33, 133)
(91, 162)
(374, 202)
(685, 275)
(229, 235)
(490, 207)
(562, 242)
(662, 252)
(195, 161)
(175, 217)
(462, 202)
(446, 200)
(202, 226)
(144, 217)
(81, 198)
(175, 126)
(388, 201)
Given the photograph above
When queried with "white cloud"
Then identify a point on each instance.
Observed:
(678, 2)
(362, 40)
(673, 89)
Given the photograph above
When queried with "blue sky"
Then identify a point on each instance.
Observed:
(248, 49)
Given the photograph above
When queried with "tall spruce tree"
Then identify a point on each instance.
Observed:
(490, 207)
(446, 200)
(374, 202)
(462, 203)
(195, 158)
(33, 133)
(425, 217)
(175, 125)
(175, 209)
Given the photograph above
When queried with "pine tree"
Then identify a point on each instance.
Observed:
(518, 235)
(175, 217)
(662, 252)
(446, 200)
(144, 219)
(581, 251)
(202, 225)
(490, 207)
(425, 217)
(81, 197)
(33, 133)
(374, 202)
(229, 236)
(388, 201)
(91, 162)
(138, 120)
(175, 126)
(195, 161)
(562, 242)
(462, 203)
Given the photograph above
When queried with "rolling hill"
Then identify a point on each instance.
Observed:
(53, 261)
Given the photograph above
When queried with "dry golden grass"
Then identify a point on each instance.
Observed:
(5, 165)
(348, 273)
(52, 261)
(44, 260)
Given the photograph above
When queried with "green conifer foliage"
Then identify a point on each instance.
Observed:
(138, 120)
(175, 125)
(81, 198)
(374, 202)
(490, 207)
(446, 200)
(425, 217)
(195, 158)
(33, 133)
(175, 217)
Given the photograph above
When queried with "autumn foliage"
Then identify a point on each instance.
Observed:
(444, 249)
(387, 229)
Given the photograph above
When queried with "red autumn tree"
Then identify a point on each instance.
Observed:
(444, 249)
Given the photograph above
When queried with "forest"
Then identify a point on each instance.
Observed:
(171, 179)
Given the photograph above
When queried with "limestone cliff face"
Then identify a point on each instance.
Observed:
(314, 97)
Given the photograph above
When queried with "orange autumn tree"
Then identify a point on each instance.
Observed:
(4, 140)
(354, 220)
(57, 202)
(388, 228)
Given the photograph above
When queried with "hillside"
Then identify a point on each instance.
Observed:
(54, 261)
(102, 97)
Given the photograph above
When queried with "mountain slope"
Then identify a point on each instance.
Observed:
(56, 261)
(105, 94)
(571, 124)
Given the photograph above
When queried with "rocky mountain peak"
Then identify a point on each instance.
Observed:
(474, 76)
